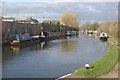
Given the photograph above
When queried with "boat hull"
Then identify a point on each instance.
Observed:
(104, 38)
(15, 42)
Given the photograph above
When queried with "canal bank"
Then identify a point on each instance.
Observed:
(107, 64)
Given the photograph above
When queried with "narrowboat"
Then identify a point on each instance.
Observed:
(90, 32)
(43, 35)
(68, 33)
(103, 36)
(16, 39)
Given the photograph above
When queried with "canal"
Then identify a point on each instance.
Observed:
(51, 59)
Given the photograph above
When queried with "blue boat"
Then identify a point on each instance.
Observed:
(16, 39)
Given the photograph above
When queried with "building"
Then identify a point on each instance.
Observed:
(51, 25)
(21, 20)
(27, 20)
(55, 22)
(9, 19)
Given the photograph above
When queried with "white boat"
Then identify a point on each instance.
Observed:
(103, 36)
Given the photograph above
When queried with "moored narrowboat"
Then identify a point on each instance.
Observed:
(16, 39)
(43, 35)
(103, 36)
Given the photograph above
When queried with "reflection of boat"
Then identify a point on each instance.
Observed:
(68, 37)
(103, 36)
(15, 49)
(42, 44)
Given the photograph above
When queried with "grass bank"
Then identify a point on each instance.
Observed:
(103, 65)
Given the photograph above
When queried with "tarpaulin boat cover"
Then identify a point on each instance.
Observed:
(14, 37)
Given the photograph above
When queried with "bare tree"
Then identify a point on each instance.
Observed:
(86, 26)
(110, 27)
(95, 26)
(70, 20)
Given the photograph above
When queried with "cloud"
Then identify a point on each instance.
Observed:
(85, 11)
(51, 1)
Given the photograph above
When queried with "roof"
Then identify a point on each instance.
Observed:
(8, 18)
(51, 21)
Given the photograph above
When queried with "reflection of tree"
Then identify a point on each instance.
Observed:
(67, 46)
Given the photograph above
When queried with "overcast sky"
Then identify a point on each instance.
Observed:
(60, 1)
(85, 11)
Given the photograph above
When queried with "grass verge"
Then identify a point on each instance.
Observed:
(102, 66)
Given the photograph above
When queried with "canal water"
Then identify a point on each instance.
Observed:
(51, 59)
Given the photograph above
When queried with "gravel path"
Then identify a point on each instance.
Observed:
(112, 74)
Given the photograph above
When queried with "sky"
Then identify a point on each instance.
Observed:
(60, 1)
(54, 9)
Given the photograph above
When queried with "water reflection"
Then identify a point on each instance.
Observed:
(15, 50)
(42, 45)
(68, 46)
(49, 59)
(84, 34)
(10, 51)
(39, 46)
